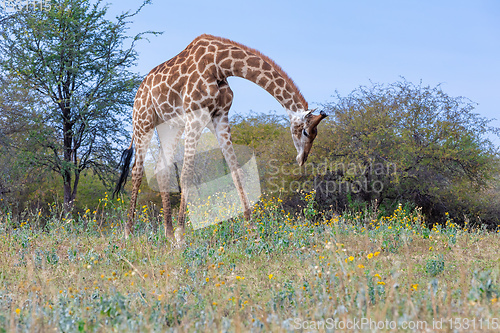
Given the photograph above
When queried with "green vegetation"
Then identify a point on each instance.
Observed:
(283, 271)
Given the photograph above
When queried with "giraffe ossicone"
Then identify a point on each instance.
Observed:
(190, 92)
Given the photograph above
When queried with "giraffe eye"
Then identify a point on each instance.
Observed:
(304, 132)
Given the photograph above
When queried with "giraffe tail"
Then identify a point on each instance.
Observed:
(125, 167)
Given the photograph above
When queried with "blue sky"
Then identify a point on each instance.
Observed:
(340, 44)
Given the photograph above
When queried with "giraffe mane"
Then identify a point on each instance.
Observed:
(271, 62)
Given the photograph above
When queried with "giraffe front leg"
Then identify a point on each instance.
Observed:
(223, 133)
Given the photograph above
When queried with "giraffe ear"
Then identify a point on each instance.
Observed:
(309, 113)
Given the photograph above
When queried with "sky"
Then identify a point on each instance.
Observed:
(338, 45)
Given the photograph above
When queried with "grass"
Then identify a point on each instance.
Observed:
(308, 271)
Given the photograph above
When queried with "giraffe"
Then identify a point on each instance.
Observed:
(190, 92)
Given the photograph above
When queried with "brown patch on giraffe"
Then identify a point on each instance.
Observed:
(286, 95)
(238, 54)
(263, 81)
(254, 62)
(203, 43)
(200, 52)
(266, 66)
(280, 82)
(226, 63)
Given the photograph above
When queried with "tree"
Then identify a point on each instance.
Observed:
(78, 64)
(406, 142)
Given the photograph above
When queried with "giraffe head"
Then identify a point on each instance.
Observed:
(304, 130)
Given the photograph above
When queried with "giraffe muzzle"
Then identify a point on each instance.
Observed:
(301, 158)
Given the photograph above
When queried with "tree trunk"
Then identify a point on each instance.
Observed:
(68, 196)
(68, 159)
(70, 191)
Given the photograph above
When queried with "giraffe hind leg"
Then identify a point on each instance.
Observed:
(169, 140)
(136, 183)
(137, 172)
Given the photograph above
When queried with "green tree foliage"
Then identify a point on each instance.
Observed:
(18, 117)
(78, 63)
(403, 142)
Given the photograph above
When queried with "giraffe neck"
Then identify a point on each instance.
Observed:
(237, 60)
